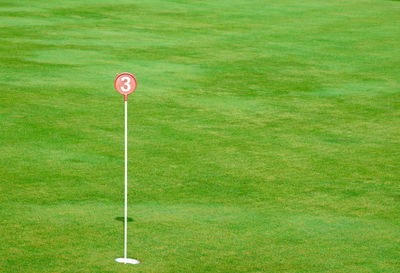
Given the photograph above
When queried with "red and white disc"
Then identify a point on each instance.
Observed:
(125, 83)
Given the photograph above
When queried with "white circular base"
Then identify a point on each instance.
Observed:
(127, 261)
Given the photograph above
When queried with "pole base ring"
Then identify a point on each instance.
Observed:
(127, 261)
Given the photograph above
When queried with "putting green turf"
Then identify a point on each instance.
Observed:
(264, 136)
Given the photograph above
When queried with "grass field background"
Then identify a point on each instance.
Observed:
(264, 136)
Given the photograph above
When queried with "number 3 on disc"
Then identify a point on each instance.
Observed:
(125, 83)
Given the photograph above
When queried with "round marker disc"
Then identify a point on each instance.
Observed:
(125, 83)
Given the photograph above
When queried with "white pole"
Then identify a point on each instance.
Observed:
(125, 80)
(126, 177)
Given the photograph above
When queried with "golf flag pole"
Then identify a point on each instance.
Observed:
(125, 83)
(126, 176)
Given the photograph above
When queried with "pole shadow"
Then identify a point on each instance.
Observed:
(122, 219)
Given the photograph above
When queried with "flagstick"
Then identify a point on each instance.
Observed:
(123, 85)
(126, 177)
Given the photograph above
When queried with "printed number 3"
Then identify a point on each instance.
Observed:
(126, 81)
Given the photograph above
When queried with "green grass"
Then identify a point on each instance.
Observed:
(264, 136)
